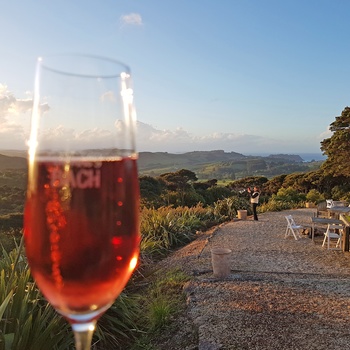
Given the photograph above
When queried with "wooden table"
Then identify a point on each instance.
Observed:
(336, 211)
(340, 203)
(323, 221)
(346, 243)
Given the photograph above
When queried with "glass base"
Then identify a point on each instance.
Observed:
(83, 318)
(83, 325)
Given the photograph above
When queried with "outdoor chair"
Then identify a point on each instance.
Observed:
(333, 232)
(292, 228)
(330, 203)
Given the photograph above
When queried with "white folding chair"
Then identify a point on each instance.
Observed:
(333, 231)
(292, 228)
(330, 203)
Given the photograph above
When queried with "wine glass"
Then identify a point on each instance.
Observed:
(81, 218)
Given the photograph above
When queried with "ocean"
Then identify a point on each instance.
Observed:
(307, 157)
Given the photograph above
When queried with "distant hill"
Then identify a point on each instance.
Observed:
(156, 160)
(292, 157)
(9, 162)
(222, 165)
(14, 153)
(206, 164)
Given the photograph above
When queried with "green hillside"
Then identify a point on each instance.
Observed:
(9, 162)
(206, 164)
(157, 160)
(222, 165)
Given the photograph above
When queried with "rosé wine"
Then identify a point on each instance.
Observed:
(82, 231)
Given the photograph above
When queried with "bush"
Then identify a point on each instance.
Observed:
(192, 198)
(315, 196)
(11, 221)
(227, 208)
(163, 298)
(117, 325)
(215, 193)
(166, 228)
(286, 198)
(289, 194)
(340, 192)
(27, 320)
(161, 302)
(275, 204)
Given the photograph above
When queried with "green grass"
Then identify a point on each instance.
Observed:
(164, 298)
(162, 301)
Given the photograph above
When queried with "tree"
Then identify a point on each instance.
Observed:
(272, 186)
(204, 185)
(180, 181)
(315, 196)
(337, 147)
(249, 181)
(298, 181)
(151, 190)
(324, 182)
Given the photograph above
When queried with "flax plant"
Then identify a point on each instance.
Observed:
(27, 321)
(118, 325)
(167, 228)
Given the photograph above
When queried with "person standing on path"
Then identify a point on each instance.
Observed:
(254, 200)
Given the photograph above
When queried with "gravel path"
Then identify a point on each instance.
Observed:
(281, 293)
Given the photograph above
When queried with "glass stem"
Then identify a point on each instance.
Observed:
(83, 333)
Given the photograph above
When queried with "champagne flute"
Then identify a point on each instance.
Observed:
(81, 218)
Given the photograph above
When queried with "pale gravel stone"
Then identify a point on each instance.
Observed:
(281, 294)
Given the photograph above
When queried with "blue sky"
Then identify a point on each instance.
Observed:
(250, 76)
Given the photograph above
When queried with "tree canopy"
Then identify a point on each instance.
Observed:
(337, 147)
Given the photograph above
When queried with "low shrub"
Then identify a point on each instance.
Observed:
(166, 228)
(289, 194)
(118, 325)
(275, 204)
(161, 302)
(315, 196)
(227, 207)
(27, 320)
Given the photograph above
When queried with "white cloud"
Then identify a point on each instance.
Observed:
(151, 139)
(326, 134)
(14, 118)
(134, 19)
(86, 139)
(179, 140)
(10, 105)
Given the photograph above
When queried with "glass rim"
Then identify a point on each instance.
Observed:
(125, 72)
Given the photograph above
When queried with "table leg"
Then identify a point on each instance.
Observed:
(346, 239)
